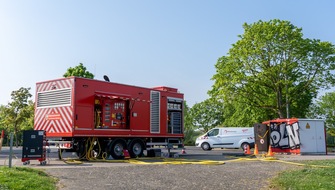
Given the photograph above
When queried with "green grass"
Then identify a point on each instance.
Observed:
(307, 177)
(25, 178)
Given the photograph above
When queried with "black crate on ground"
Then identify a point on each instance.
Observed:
(34, 143)
(154, 152)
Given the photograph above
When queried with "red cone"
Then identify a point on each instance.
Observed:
(126, 154)
(247, 149)
(183, 151)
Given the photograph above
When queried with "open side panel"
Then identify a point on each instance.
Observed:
(111, 111)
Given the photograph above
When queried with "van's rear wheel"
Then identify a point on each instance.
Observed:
(206, 146)
(243, 145)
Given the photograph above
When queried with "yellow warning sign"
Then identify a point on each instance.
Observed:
(308, 126)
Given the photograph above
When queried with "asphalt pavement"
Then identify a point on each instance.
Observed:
(233, 172)
(190, 152)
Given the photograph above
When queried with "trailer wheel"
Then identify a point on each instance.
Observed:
(116, 149)
(205, 146)
(136, 148)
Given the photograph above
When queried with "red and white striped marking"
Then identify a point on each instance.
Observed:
(54, 119)
(53, 85)
(45, 120)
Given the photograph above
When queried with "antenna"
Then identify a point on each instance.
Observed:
(95, 69)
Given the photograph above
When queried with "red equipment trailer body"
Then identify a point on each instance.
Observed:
(87, 112)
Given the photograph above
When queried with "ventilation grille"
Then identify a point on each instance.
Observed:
(154, 112)
(54, 98)
(176, 122)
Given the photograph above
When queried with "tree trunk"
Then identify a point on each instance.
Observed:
(279, 103)
(280, 113)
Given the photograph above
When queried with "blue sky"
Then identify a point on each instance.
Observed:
(145, 43)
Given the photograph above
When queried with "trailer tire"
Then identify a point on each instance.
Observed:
(116, 148)
(205, 146)
(136, 148)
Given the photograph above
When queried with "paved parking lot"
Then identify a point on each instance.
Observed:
(234, 174)
(191, 153)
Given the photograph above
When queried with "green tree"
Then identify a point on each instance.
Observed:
(324, 108)
(189, 133)
(187, 117)
(28, 112)
(238, 114)
(3, 124)
(79, 71)
(17, 113)
(272, 67)
(207, 114)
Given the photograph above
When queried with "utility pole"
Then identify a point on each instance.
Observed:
(287, 102)
(10, 150)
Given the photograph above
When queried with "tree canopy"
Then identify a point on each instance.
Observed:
(207, 114)
(239, 114)
(274, 69)
(79, 71)
(18, 115)
(324, 108)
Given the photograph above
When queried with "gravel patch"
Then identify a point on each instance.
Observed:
(232, 175)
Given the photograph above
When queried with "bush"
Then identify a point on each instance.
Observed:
(190, 137)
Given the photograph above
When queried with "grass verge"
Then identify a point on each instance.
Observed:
(308, 177)
(25, 178)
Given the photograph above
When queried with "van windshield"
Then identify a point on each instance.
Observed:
(213, 132)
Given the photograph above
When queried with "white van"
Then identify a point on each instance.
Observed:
(226, 137)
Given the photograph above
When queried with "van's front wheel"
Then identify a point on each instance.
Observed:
(206, 146)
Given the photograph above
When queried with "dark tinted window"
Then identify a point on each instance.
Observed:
(213, 132)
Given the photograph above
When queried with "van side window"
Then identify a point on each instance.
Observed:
(213, 132)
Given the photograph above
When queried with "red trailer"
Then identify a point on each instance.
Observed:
(107, 118)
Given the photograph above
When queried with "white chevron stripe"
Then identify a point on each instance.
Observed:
(51, 127)
(66, 113)
(38, 87)
(43, 120)
(58, 125)
(46, 127)
(60, 84)
(66, 83)
(46, 86)
(39, 115)
(66, 118)
(63, 125)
